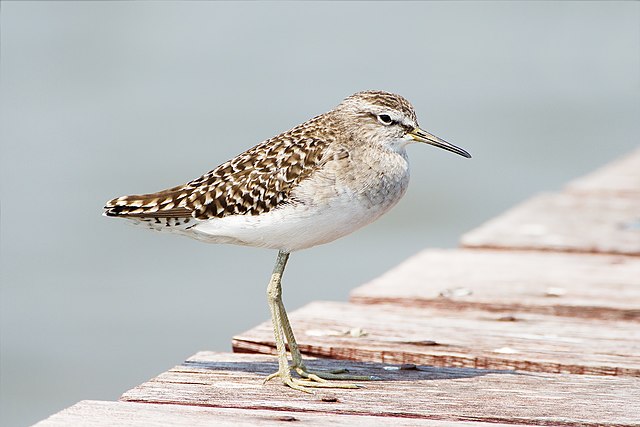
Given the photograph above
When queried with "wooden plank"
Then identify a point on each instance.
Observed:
(579, 285)
(621, 178)
(447, 394)
(564, 222)
(91, 413)
(476, 339)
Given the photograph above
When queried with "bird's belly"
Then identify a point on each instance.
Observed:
(302, 224)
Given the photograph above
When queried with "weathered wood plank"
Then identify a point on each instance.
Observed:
(580, 285)
(476, 339)
(621, 177)
(90, 413)
(448, 394)
(564, 222)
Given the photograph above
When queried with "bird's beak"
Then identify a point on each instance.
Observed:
(424, 136)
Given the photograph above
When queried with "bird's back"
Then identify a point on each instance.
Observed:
(252, 183)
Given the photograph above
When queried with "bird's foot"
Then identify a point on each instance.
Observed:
(336, 374)
(309, 379)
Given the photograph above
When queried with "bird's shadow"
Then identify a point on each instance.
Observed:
(379, 371)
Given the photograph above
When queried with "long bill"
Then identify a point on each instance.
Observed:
(424, 136)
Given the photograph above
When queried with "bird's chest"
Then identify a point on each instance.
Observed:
(381, 185)
(367, 182)
(375, 180)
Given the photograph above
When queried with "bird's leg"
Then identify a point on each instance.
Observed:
(281, 326)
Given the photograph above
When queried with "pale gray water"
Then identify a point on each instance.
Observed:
(101, 99)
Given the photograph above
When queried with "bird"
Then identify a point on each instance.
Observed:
(308, 186)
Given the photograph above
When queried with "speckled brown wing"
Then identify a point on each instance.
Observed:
(252, 183)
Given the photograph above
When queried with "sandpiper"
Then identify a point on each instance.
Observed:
(319, 181)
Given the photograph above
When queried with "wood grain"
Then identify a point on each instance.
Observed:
(620, 178)
(476, 339)
(91, 413)
(447, 394)
(562, 284)
(566, 222)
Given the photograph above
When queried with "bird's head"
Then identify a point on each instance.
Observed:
(387, 119)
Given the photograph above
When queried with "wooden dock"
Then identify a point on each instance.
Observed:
(535, 320)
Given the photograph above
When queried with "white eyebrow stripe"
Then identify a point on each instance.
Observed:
(396, 115)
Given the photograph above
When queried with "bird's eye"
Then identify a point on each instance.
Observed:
(385, 119)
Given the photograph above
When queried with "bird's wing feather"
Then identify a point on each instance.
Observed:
(253, 182)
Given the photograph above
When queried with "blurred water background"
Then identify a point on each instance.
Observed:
(101, 99)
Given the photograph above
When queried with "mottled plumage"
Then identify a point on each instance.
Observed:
(251, 183)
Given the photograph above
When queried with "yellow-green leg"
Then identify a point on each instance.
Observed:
(282, 329)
